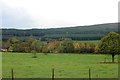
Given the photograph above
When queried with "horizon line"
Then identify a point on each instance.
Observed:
(60, 27)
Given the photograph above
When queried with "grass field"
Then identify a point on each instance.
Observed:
(65, 65)
(88, 41)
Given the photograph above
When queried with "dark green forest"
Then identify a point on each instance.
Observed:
(93, 32)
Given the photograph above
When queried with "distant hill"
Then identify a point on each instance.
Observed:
(92, 32)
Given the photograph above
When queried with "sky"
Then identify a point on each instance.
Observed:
(28, 14)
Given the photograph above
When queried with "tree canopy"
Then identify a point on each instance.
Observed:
(110, 43)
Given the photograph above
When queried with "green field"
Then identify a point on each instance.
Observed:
(65, 65)
(88, 41)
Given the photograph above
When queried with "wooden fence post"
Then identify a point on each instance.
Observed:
(53, 74)
(89, 74)
(12, 74)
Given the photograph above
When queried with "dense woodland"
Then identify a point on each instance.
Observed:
(93, 32)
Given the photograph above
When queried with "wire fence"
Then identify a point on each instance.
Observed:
(55, 73)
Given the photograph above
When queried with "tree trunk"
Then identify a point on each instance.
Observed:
(113, 59)
(113, 54)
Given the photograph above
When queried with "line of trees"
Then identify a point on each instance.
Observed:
(53, 46)
(109, 44)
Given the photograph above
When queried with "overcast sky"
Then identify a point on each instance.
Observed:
(27, 14)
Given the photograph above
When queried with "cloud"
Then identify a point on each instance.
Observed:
(16, 18)
(57, 13)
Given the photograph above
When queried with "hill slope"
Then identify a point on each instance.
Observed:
(92, 32)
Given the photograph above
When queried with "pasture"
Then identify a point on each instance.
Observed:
(65, 65)
(88, 41)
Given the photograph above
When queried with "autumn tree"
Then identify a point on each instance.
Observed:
(84, 47)
(53, 46)
(24, 47)
(45, 49)
(76, 47)
(110, 44)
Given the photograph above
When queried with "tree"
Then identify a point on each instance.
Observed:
(6, 45)
(53, 46)
(37, 45)
(15, 47)
(110, 44)
(76, 47)
(15, 44)
(29, 41)
(45, 49)
(66, 46)
(24, 47)
(84, 47)
(34, 53)
(14, 40)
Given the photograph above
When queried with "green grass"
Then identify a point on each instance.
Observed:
(65, 65)
(92, 41)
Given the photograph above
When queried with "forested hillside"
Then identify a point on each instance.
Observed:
(93, 32)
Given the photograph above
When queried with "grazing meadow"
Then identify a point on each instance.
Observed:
(65, 65)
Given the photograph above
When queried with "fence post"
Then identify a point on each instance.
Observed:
(53, 74)
(89, 74)
(12, 74)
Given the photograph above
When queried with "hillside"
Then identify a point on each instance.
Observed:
(92, 32)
